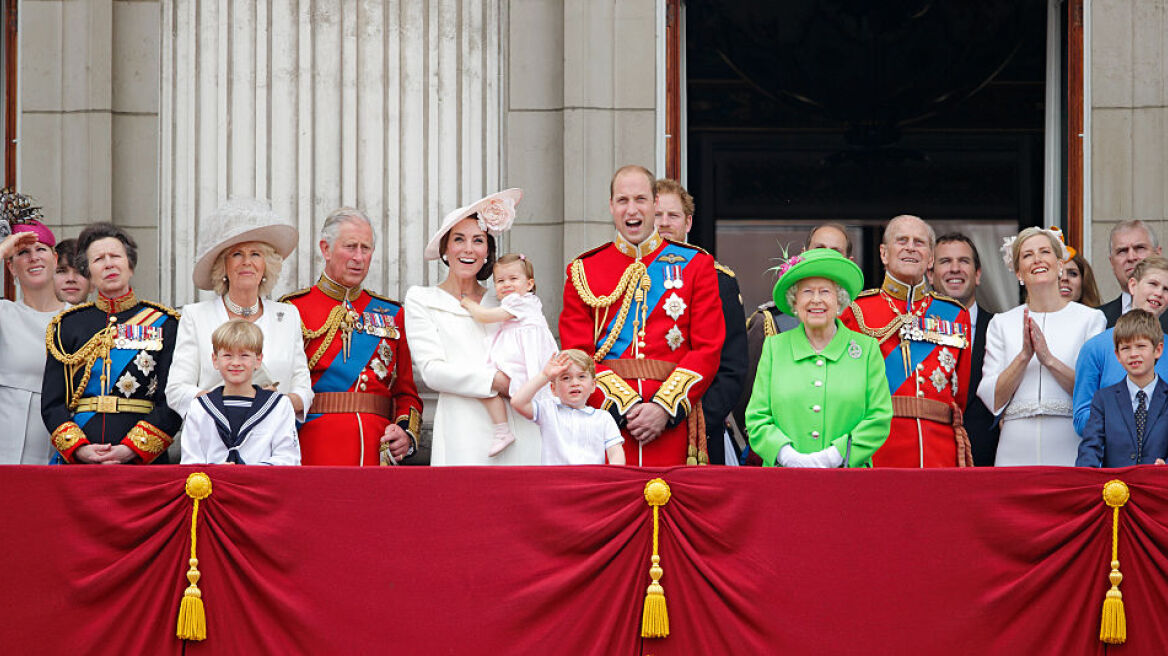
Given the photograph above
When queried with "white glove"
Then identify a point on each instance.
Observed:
(828, 458)
(789, 457)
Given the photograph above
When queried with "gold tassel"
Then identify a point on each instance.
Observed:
(192, 619)
(1113, 625)
(655, 618)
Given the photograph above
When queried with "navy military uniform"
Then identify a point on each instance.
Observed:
(727, 389)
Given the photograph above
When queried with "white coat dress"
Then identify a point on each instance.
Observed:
(192, 371)
(449, 350)
(25, 440)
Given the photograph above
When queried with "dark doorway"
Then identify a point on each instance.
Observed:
(806, 111)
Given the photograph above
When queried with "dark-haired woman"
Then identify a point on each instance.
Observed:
(449, 347)
(103, 396)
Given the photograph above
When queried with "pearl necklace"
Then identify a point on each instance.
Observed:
(242, 311)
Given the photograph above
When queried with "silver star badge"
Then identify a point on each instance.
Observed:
(152, 386)
(127, 385)
(145, 362)
(385, 352)
(946, 359)
(674, 338)
(379, 368)
(953, 381)
(674, 306)
(939, 379)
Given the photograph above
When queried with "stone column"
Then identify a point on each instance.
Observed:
(1129, 122)
(389, 105)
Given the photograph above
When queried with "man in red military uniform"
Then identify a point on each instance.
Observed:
(362, 377)
(648, 311)
(925, 340)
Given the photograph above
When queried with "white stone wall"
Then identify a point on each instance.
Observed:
(89, 124)
(1129, 122)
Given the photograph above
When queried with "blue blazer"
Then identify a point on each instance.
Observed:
(1109, 440)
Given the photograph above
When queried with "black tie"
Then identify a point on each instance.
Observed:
(1141, 422)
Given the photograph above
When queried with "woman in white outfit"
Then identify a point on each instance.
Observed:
(29, 257)
(242, 247)
(1029, 371)
(449, 348)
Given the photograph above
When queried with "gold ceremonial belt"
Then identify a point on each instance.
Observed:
(112, 405)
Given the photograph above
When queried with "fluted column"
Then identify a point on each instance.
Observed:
(390, 105)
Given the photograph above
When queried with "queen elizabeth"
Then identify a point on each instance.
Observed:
(820, 398)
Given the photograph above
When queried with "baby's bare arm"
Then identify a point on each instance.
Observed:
(485, 315)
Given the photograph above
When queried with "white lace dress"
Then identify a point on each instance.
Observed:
(1036, 423)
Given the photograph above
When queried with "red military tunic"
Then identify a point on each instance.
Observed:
(355, 353)
(662, 308)
(925, 343)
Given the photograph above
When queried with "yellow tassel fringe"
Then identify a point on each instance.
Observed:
(655, 616)
(1113, 623)
(192, 617)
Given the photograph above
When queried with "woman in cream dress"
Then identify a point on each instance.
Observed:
(1029, 371)
(449, 348)
(242, 247)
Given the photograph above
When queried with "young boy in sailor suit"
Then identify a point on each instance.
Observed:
(238, 422)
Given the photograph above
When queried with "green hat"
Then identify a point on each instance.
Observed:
(817, 263)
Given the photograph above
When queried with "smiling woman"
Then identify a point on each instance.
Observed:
(242, 248)
(29, 257)
(1029, 375)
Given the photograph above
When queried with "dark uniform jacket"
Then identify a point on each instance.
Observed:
(105, 377)
(728, 387)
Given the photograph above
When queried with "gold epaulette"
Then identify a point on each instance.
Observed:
(768, 319)
(868, 292)
(943, 297)
(383, 298)
(687, 245)
(159, 306)
(296, 294)
(724, 269)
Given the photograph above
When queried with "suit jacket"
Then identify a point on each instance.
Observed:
(1113, 309)
(1110, 437)
(979, 421)
(730, 381)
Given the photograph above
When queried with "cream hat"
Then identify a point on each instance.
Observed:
(496, 213)
(237, 221)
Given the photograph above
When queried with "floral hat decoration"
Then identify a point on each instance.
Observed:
(1057, 232)
(816, 263)
(20, 213)
(495, 213)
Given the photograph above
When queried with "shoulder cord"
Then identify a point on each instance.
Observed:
(336, 318)
(883, 333)
(633, 282)
(96, 347)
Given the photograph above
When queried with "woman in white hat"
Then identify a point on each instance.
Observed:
(449, 347)
(241, 249)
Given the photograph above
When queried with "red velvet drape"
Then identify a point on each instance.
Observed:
(555, 560)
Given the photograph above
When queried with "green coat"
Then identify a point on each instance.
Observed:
(814, 400)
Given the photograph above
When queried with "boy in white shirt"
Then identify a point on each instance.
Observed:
(574, 433)
(238, 422)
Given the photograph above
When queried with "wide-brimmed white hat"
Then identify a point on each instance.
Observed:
(496, 213)
(237, 221)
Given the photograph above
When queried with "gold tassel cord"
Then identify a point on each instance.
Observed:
(1113, 624)
(655, 617)
(192, 619)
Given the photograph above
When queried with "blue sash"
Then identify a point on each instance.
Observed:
(342, 374)
(656, 271)
(918, 351)
(119, 360)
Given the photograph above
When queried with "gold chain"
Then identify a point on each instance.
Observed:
(96, 347)
(632, 281)
(336, 319)
(883, 333)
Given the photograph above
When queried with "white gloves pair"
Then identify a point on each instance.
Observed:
(826, 459)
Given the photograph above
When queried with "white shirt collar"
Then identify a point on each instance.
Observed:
(973, 315)
(1148, 389)
(1125, 303)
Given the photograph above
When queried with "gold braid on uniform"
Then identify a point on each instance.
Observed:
(881, 334)
(336, 319)
(633, 282)
(98, 346)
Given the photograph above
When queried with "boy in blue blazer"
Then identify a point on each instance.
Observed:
(1128, 424)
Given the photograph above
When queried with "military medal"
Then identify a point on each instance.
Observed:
(673, 277)
(384, 352)
(378, 325)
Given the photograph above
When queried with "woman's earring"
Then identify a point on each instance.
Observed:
(224, 278)
(263, 279)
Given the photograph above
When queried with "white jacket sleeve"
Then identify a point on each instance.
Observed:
(429, 355)
(198, 429)
(182, 384)
(301, 383)
(285, 445)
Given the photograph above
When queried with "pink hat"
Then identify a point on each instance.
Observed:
(496, 213)
(20, 213)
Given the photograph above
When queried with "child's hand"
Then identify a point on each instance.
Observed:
(556, 366)
(1160, 461)
(468, 304)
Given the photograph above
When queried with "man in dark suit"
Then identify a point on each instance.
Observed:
(957, 272)
(674, 218)
(1130, 242)
(1128, 425)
